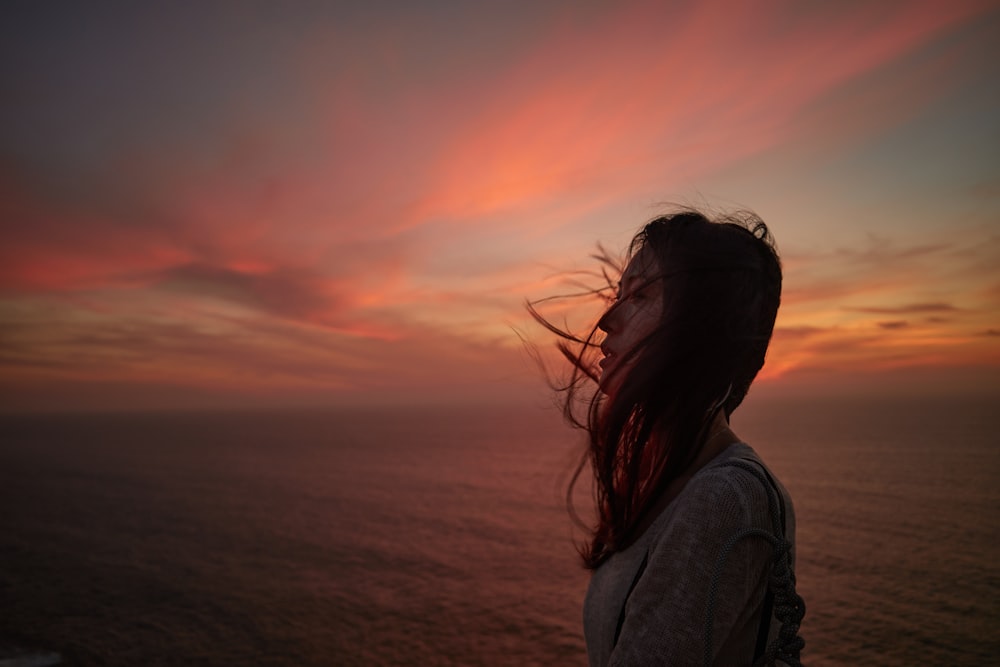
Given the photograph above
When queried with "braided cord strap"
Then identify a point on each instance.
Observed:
(789, 607)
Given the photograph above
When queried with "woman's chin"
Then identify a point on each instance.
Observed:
(608, 382)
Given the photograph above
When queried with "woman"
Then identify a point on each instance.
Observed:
(691, 527)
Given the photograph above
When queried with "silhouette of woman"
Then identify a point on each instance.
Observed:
(691, 554)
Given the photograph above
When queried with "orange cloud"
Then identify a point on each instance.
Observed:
(834, 316)
(249, 355)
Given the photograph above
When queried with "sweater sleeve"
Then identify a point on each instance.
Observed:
(665, 616)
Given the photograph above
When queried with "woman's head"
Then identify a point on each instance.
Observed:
(683, 339)
(696, 306)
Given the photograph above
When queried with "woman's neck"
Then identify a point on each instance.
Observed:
(719, 438)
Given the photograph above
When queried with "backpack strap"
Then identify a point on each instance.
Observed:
(780, 599)
(767, 611)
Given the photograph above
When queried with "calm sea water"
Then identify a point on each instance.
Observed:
(439, 537)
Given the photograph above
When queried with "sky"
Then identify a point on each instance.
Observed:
(255, 204)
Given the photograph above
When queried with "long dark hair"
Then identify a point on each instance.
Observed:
(721, 285)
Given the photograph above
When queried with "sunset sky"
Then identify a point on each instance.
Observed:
(253, 203)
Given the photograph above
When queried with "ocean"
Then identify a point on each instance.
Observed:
(440, 536)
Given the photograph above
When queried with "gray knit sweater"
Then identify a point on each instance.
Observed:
(665, 613)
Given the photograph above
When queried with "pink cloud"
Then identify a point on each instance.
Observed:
(592, 109)
(331, 234)
(645, 96)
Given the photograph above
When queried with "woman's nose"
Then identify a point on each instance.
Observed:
(607, 321)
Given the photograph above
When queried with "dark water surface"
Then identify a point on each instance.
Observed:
(435, 537)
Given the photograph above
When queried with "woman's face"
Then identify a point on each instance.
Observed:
(634, 316)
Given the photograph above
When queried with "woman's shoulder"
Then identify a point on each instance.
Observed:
(733, 471)
(726, 488)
